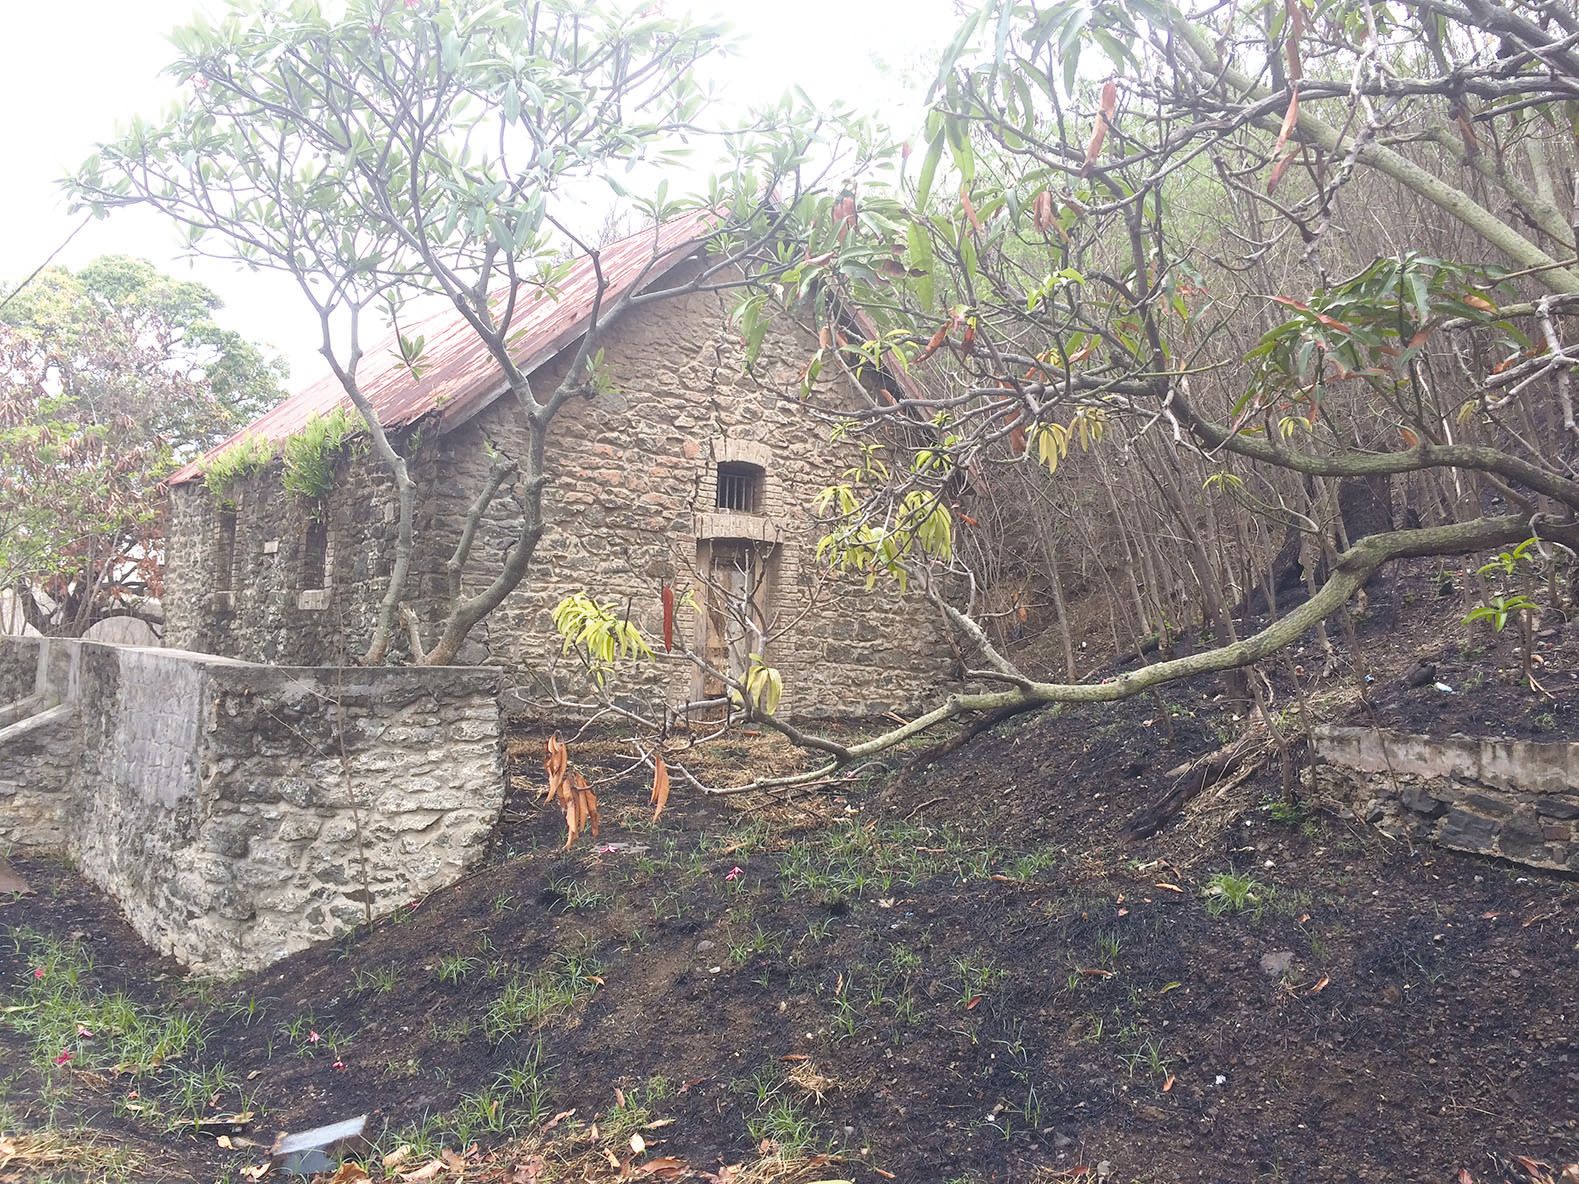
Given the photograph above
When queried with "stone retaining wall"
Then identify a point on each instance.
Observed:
(211, 798)
(1511, 798)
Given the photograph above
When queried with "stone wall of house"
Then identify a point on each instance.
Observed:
(263, 607)
(1511, 798)
(211, 799)
(632, 505)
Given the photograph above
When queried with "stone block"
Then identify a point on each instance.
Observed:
(1467, 830)
(1521, 838)
(1564, 809)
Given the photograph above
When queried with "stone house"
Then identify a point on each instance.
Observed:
(691, 471)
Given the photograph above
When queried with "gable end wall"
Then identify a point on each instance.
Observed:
(631, 505)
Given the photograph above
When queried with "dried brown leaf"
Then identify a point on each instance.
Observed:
(665, 1167)
(1104, 118)
(554, 765)
(660, 786)
(1042, 211)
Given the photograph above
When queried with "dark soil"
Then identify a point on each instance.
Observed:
(979, 972)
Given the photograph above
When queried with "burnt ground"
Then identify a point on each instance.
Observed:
(970, 972)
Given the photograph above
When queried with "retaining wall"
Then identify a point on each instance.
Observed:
(240, 812)
(1511, 798)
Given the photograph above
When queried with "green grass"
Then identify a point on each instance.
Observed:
(779, 1119)
(1228, 892)
(973, 978)
(456, 968)
(636, 1107)
(577, 896)
(370, 982)
(58, 1007)
(530, 1000)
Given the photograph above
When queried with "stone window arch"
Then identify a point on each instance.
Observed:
(739, 478)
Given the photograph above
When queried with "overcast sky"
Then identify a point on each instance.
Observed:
(74, 71)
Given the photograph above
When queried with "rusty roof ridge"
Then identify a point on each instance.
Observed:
(464, 378)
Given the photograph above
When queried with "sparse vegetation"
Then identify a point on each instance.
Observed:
(1229, 892)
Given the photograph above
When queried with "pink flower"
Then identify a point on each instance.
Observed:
(38, 972)
(606, 849)
(313, 1037)
(83, 1033)
(735, 873)
(64, 1058)
(340, 1065)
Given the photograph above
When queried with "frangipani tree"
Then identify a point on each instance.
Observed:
(411, 148)
(1209, 267)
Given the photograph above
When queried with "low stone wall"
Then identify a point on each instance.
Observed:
(1510, 798)
(240, 812)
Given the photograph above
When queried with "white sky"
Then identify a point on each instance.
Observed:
(75, 71)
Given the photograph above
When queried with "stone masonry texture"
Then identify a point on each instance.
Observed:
(632, 504)
(1515, 799)
(240, 812)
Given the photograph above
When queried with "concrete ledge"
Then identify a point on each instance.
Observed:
(737, 524)
(43, 719)
(1516, 799)
(240, 812)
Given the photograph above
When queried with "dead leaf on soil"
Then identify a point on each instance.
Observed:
(557, 1119)
(349, 1173)
(1168, 1084)
(428, 1171)
(1320, 985)
(665, 1167)
(1167, 887)
(397, 1157)
(1464, 1177)
(1094, 972)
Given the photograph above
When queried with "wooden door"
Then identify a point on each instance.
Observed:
(735, 618)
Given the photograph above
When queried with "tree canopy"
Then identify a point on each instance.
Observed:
(113, 375)
(393, 151)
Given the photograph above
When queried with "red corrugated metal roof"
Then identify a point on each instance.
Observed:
(459, 376)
